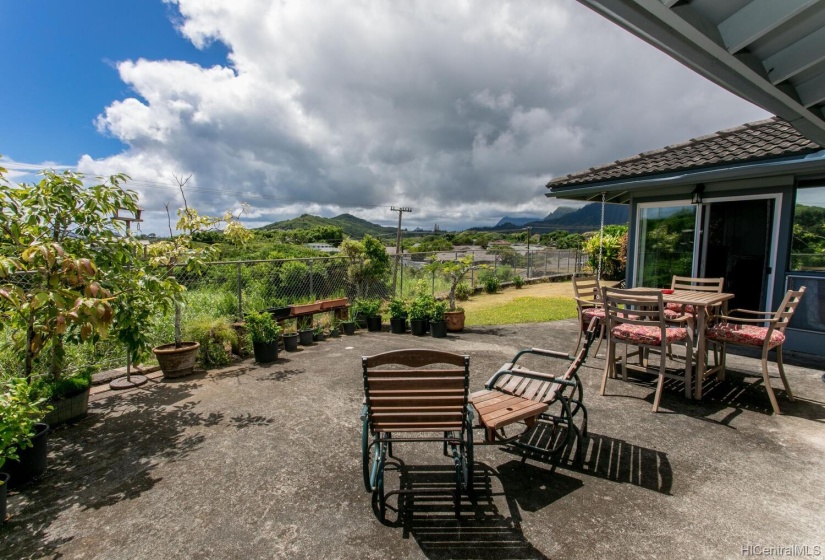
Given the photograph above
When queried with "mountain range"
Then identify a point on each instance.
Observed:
(586, 218)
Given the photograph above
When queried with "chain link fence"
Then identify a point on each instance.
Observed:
(230, 289)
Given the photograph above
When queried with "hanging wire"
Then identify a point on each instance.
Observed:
(601, 239)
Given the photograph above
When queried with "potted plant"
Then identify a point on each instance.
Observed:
(399, 311)
(71, 278)
(305, 333)
(454, 272)
(178, 359)
(438, 328)
(334, 326)
(280, 310)
(318, 334)
(290, 337)
(263, 332)
(371, 308)
(418, 313)
(23, 440)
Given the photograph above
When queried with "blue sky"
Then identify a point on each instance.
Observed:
(59, 70)
(461, 110)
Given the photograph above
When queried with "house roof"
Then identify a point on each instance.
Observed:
(769, 52)
(762, 140)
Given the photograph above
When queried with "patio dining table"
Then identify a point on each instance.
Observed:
(701, 302)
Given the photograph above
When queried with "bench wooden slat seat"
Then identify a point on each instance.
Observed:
(517, 394)
(419, 398)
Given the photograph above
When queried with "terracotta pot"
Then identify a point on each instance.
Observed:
(454, 320)
(305, 308)
(177, 362)
(333, 303)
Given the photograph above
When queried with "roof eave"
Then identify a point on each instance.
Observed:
(618, 190)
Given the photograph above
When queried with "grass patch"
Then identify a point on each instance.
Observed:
(523, 310)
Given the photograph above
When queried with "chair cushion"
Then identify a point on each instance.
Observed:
(672, 314)
(641, 334)
(679, 308)
(749, 335)
(590, 312)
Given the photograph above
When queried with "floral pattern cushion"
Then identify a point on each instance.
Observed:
(591, 312)
(641, 334)
(680, 308)
(749, 335)
(672, 314)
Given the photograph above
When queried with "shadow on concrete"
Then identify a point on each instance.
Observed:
(490, 526)
(109, 457)
(611, 459)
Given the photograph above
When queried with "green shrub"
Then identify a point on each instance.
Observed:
(216, 337)
(491, 283)
(504, 273)
(437, 311)
(398, 308)
(518, 281)
(262, 328)
(463, 291)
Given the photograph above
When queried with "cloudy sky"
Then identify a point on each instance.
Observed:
(462, 110)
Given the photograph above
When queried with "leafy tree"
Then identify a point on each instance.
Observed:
(64, 262)
(368, 263)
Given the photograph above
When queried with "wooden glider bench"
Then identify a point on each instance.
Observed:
(515, 394)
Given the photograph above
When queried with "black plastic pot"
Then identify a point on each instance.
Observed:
(349, 327)
(32, 462)
(290, 342)
(427, 324)
(334, 332)
(319, 337)
(305, 337)
(417, 327)
(438, 329)
(398, 325)
(374, 323)
(4, 487)
(360, 320)
(265, 352)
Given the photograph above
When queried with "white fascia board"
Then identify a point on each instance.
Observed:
(666, 30)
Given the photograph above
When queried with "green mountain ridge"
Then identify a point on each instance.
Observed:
(351, 225)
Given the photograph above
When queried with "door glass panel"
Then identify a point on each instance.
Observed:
(666, 237)
(808, 246)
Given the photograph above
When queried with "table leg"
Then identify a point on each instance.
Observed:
(700, 351)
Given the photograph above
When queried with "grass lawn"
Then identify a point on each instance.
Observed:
(536, 303)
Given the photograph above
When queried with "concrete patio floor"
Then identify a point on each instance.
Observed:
(264, 462)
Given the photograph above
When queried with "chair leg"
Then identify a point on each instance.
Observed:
(781, 368)
(602, 333)
(767, 379)
(608, 364)
(660, 384)
(624, 364)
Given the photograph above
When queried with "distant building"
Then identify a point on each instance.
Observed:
(323, 247)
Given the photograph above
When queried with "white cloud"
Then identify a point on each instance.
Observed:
(462, 110)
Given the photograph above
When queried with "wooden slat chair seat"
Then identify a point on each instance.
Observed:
(763, 329)
(516, 394)
(405, 394)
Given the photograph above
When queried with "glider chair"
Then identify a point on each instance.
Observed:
(410, 396)
(588, 295)
(763, 329)
(636, 318)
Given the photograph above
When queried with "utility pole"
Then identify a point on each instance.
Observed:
(400, 210)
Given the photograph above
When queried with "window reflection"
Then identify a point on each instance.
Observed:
(666, 236)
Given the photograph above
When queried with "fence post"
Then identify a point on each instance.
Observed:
(568, 261)
(240, 295)
(311, 287)
(400, 292)
(433, 290)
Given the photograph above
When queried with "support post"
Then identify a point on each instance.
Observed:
(400, 210)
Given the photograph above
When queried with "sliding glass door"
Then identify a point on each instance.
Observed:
(666, 238)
